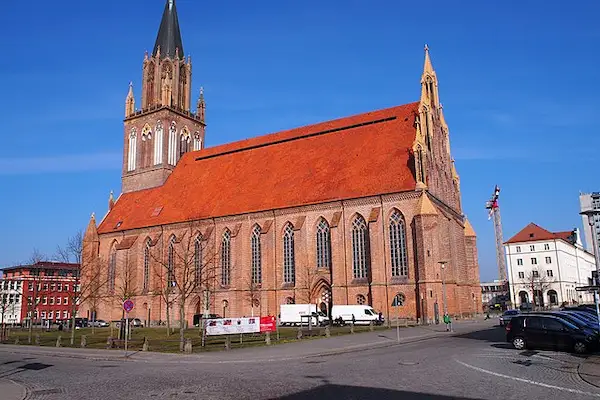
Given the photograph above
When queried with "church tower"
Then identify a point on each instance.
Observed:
(165, 127)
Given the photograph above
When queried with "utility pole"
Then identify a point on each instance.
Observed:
(494, 212)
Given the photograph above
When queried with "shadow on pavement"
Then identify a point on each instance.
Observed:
(363, 393)
(496, 335)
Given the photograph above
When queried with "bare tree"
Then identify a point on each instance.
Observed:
(184, 267)
(305, 285)
(88, 280)
(4, 305)
(539, 282)
(35, 273)
(253, 293)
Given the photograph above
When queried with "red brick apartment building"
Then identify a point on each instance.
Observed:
(42, 292)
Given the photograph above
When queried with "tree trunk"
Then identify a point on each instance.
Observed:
(181, 325)
(168, 318)
(73, 315)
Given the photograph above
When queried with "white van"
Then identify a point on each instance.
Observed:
(363, 315)
(298, 314)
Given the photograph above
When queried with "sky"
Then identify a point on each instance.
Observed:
(518, 81)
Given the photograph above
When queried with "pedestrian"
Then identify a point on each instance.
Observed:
(380, 317)
(448, 322)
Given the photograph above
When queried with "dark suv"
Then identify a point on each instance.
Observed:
(547, 331)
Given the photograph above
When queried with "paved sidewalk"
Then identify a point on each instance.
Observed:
(10, 390)
(589, 370)
(293, 350)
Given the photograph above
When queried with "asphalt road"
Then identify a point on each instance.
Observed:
(474, 366)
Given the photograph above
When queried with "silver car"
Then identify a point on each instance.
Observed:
(507, 316)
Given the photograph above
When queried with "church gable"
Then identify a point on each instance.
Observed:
(359, 156)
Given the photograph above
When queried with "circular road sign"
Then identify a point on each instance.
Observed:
(128, 305)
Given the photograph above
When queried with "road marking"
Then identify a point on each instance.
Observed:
(485, 371)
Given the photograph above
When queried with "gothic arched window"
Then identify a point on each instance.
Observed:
(112, 269)
(289, 257)
(172, 144)
(146, 281)
(256, 256)
(360, 248)
(197, 141)
(198, 266)
(185, 141)
(226, 258)
(171, 263)
(158, 143)
(323, 244)
(398, 245)
(146, 146)
(132, 154)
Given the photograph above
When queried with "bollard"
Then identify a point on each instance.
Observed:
(17, 340)
(227, 343)
(268, 338)
(188, 346)
(146, 345)
(327, 331)
(83, 340)
(37, 339)
(109, 343)
(371, 326)
(58, 340)
(299, 334)
(352, 327)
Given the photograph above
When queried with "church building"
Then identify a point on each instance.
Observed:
(355, 210)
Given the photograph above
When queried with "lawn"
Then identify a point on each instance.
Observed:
(159, 341)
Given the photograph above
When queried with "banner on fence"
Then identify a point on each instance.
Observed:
(268, 324)
(232, 326)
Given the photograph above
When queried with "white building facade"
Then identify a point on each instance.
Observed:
(11, 296)
(545, 268)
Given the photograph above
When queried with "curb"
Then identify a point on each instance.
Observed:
(12, 389)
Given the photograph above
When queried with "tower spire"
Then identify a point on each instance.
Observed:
(168, 39)
(130, 102)
(427, 67)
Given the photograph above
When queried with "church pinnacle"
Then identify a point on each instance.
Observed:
(168, 41)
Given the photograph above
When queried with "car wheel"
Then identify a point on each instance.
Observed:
(519, 343)
(580, 348)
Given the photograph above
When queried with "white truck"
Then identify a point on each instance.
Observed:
(301, 314)
(363, 315)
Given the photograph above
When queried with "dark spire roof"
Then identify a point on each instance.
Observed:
(169, 35)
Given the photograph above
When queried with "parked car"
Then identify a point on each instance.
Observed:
(507, 316)
(198, 317)
(99, 323)
(573, 318)
(136, 322)
(547, 331)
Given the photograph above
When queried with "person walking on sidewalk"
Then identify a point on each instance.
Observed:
(448, 322)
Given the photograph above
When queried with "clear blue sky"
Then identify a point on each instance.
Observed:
(518, 81)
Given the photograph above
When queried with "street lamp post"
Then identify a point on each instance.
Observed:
(443, 267)
(591, 214)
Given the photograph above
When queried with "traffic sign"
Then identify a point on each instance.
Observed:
(128, 305)
(586, 288)
(398, 300)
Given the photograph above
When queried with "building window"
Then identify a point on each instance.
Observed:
(226, 258)
(52, 287)
(548, 260)
(146, 281)
(131, 157)
(360, 248)
(172, 156)
(44, 300)
(361, 299)
(51, 314)
(289, 255)
(158, 143)
(546, 246)
(198, 260)
(398, 245)
(549, 273)
(323, 245)
(256, 256)
(532, 247)
(67, 287)
(521, 275)
(184, 146)
(58, 301)
(112, 269)
(51, 301)
(518, 249)
(533, 261)
(65, 314)
(30, 287)
(171, 263)
(519, 261)
(66, 302)
(59, 287)
(43, 314)
(290, 300)
(536, 274)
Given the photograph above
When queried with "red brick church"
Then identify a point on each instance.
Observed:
(350, 211)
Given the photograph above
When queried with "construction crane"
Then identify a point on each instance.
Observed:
(494, 213)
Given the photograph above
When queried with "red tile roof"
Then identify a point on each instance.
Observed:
(358, 156)
(533, 232)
